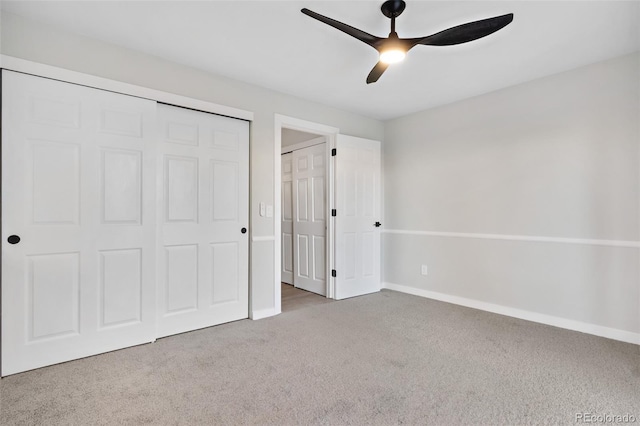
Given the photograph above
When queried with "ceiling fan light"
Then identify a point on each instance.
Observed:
(392, 56)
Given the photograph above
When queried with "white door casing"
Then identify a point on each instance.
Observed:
(357, 239)
(309, 218)
(78, 172)
(286, 275)
(203, 196)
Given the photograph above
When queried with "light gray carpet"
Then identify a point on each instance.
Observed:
(387, 358)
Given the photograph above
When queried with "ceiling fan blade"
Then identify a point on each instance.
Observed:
(465, 32)
(376, 72)
(353, 32)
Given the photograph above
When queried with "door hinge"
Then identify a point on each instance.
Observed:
(333, 212)
(333, 273)
(334, 151)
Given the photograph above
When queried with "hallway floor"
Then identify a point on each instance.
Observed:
(295, 298)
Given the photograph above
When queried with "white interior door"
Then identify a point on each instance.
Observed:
(309, 218)
(78, 179)
(287, 218)
(357, 168)
(203, 193)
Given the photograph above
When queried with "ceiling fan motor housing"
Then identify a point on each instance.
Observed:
(392, 8)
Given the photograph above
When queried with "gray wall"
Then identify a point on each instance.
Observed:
(556, 157)
(292, 137)
(40, 43)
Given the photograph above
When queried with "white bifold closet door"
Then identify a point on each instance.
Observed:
(203, 196)
(78, 222)
(309, 218)
(286, 275)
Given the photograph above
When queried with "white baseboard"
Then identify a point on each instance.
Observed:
(263, 313)
(583, 327)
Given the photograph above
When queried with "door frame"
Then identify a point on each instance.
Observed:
(330, 134)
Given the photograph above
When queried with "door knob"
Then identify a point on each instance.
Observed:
(377, 224)
(13, 239)
(243, 230)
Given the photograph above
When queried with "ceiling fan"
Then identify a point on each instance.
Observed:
(393, 49)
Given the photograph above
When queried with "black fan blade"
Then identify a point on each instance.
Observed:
(353, 32)
(376, 72)
(465, 32)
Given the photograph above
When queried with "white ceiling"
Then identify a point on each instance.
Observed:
(272, 44)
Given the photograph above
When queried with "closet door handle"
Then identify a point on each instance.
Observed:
(243, 230)
(377, 224)
(13, 239)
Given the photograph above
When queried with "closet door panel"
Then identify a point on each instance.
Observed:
(287, 218)
(203, 197)
(78, 189)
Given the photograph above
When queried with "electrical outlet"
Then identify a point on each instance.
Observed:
(425, 270)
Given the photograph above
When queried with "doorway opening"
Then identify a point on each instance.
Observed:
(303, 211)
(303, 218)
(303, 201)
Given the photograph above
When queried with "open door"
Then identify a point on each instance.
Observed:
(357, 221)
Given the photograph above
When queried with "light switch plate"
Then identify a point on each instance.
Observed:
(262, 209)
